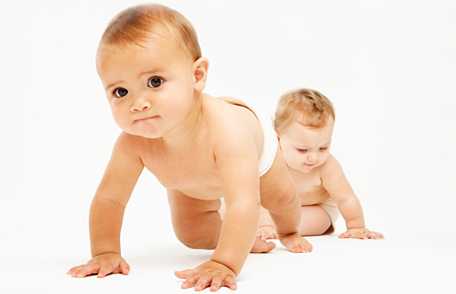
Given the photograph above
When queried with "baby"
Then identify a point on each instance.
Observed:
(304, 122)
(198, 146)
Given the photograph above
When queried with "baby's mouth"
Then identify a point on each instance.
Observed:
(146, 118)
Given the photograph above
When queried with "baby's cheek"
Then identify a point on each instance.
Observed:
(324, 157)
(120, 120)
(291, 159)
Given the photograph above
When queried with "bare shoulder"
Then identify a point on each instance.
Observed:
(232, 123)
(130, 144)
(334, 180)
(231, 108)
(331, 168)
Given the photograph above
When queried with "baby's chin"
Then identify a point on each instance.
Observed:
(305, 168)
(144, 133)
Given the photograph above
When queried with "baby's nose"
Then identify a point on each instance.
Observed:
(140, 106)
(311, 157)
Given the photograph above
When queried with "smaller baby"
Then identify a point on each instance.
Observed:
(304, 122)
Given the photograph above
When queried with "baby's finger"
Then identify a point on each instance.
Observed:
(203, 282)
(259, 233)
(190, 282)
(75, 272)
(87, 270)
(217, 282)
(230, 282)
(269, 236)
(360, 236)
(184, 274)
(374, 235)
(124, 268)
(104, 271)
(78, 269)
(345, 235)
(72, 270)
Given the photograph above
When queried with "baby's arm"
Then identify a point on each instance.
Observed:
(107, 211)
(237, 163)
(338, 187)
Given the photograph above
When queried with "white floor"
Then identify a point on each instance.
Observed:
(386, 65)
(411, 264)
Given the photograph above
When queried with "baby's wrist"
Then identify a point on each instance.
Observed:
(95, 254)
(355, 224)
(225, 265)
(356, 228)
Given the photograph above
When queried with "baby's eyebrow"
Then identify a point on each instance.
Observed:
(113, 84)
(149, 72)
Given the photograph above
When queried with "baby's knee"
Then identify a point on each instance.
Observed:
(196, 242)
(314, 222)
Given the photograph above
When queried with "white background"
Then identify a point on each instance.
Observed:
(388, 66)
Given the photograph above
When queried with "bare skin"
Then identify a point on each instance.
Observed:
(181, 135)
(318, 177)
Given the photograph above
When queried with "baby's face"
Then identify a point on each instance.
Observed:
(151, 90)
(306, 148)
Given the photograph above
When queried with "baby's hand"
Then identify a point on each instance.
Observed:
(209, 274)
(103, 265)
(361, 233)
(266, 232)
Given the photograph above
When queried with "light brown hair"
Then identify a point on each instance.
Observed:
(135, 25)
(309, 107)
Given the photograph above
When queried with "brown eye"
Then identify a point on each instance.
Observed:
(155, 82)
(323, 148)
(301, 150)
(120, 92)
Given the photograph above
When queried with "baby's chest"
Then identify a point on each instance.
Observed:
(194, 175)
(310, 190)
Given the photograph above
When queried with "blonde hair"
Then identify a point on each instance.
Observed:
(135, 25)
(309, 107)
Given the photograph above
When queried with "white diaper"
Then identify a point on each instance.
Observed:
(270, 144)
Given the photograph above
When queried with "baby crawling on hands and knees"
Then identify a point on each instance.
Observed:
(304, 123)
(199, 147)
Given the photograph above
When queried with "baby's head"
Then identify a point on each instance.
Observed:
(150, 63)
(304, 122)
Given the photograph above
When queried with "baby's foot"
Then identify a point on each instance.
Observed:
(295, 243)
(261, 246)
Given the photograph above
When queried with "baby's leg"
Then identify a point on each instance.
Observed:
(278, 195)
(259, 245)
(196, 222)
(314, 221)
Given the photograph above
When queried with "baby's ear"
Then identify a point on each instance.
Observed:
(200, 67)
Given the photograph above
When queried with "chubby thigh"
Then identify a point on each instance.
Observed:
(196, 222)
